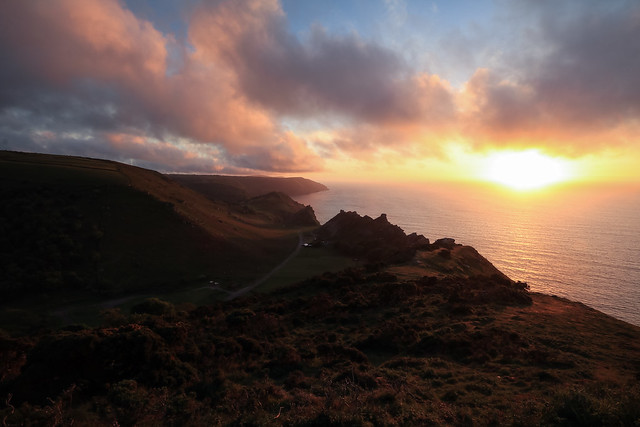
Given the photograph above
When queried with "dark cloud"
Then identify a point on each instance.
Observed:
(592, 75)
(577, 90)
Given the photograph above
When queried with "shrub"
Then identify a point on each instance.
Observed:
(444, 253)
(284, 359)
(154, 306)
(128, 400)
(339, 351)
(574, 408)
(113, 317)
(239, 318)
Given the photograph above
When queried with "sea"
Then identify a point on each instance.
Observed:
(578, 242)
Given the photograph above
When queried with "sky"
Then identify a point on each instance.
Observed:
(332, 90)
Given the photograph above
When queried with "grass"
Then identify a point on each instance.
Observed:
(131, 232)
(309, 262)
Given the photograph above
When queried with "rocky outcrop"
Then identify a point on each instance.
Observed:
(305, 217)
(446, 243)
(376, 240)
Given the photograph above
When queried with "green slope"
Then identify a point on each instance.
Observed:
(70, 223)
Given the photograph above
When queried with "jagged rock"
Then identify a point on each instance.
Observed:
(304, 217)
(418, 240)
(446, 243)
(373, 239)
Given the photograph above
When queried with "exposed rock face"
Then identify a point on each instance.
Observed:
(373, 239)
(446, 242)
(304, 217)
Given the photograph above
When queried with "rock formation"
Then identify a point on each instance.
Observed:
(376, 240)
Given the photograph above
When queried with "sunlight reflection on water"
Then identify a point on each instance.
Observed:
(580, 243)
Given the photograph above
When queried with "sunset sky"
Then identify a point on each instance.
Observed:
(344, 89)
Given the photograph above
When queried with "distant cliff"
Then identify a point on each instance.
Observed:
(240, 188)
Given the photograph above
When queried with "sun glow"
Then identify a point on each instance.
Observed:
(526, 170)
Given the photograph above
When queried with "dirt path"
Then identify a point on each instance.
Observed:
(240, 292)
(64, 313)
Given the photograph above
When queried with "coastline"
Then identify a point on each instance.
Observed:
(584, 246)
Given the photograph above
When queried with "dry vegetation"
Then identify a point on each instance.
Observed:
(418, 334)
(350, 348)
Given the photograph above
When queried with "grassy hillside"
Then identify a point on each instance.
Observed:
(81, 224)
(275, 209)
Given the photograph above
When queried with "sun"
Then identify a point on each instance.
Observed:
(525, 170)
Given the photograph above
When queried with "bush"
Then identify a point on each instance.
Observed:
(128, 400)
(154, 306)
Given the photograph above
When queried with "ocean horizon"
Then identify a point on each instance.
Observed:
(577, 242)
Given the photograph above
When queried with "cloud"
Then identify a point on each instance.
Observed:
(324, 74)
(397, 10)
(366, 94)
(75, 39)
(578, 90)
(93, 67)
(592, 73)
(237, 91)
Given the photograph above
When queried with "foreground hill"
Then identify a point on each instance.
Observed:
(352, 348)
(70, 223)
(436, 336)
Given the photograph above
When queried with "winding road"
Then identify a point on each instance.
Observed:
(64, 312)
(258, 282)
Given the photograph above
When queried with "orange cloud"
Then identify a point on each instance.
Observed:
(98, 66)
(72, 39)
(93, 68)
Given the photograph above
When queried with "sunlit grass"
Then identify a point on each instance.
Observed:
(308, 263)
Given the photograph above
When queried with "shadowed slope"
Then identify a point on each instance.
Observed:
(77, 223)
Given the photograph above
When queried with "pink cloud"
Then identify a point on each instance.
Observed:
(98, 50)
(72, 39)
(92, 67)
